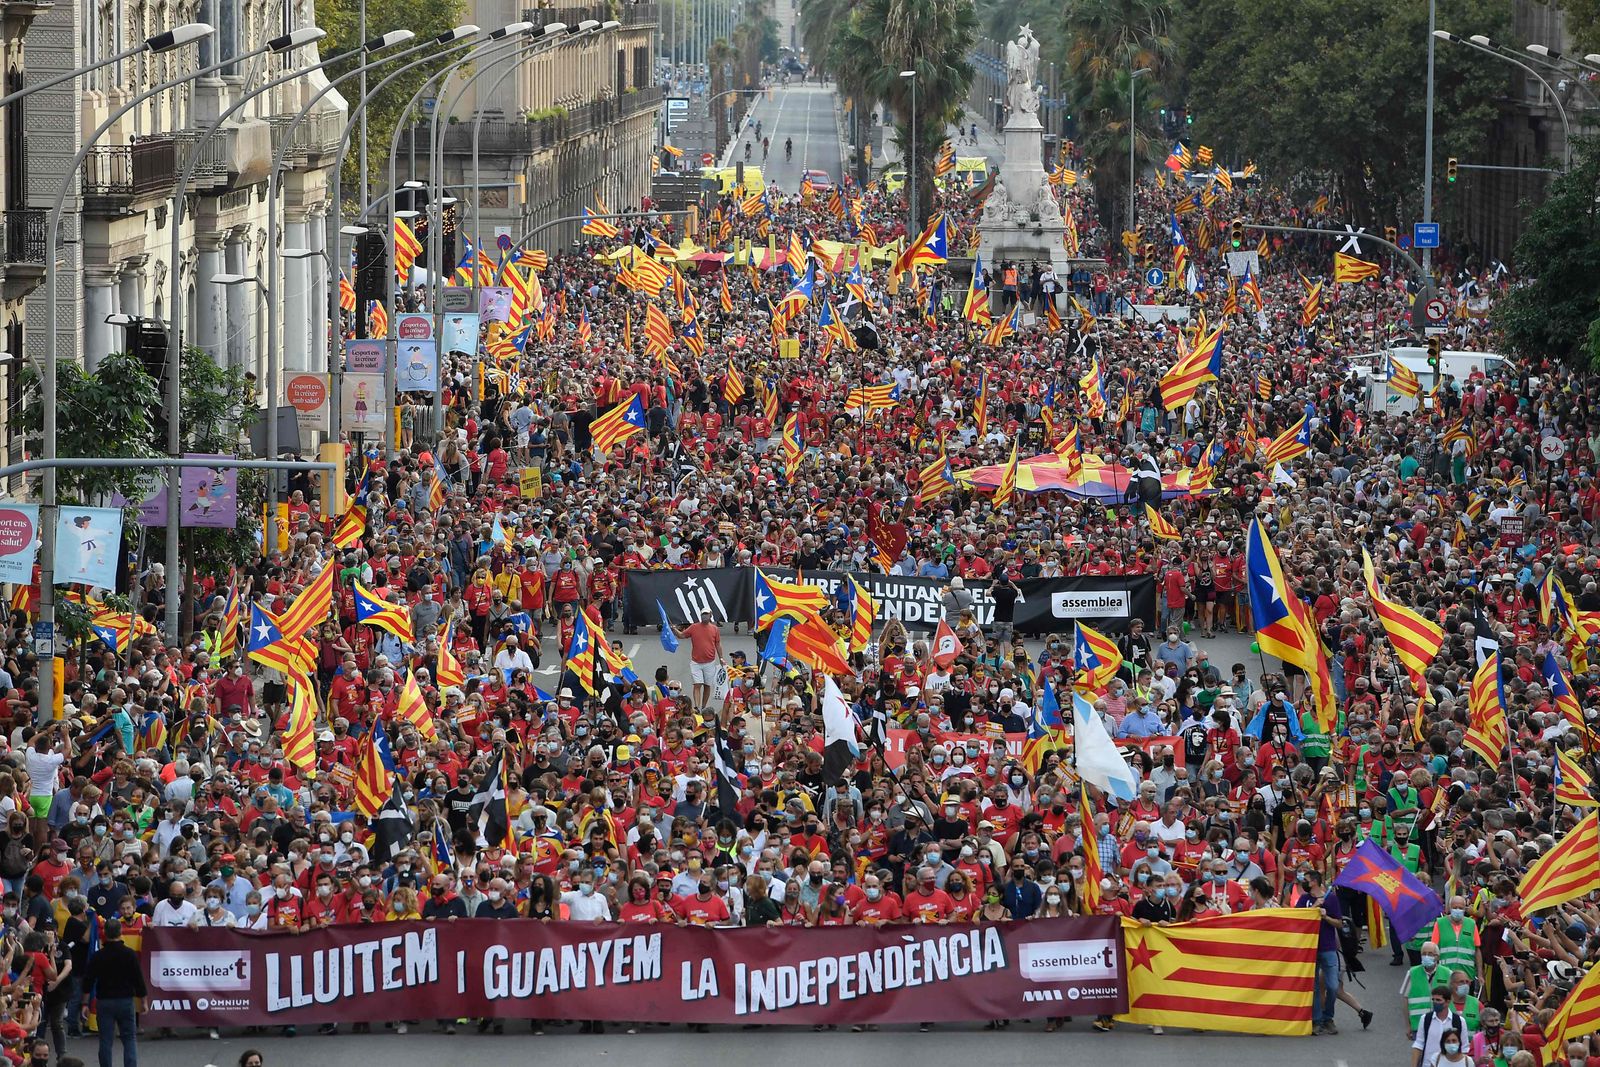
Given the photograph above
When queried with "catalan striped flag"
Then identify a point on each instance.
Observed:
(1230, 304)
(373, 610)
(863, 613)
(532, 259)
(1284, 627)
(778, 599)
(945, 161)
(311, 606)
(1576, 1019)
(657, 331)
(406, 249)
(1403, 380)
(377, 319)
(1313, 302)
(1160, 528)
(723, 295)
(794, 448)
(981, 414)
(228, 635)
(413, 708)
(1093, 869)
(580, 653)
(1007, 489)
(870, 398)
(299, 735)
(1415, 638)
(268, 647)
(1252, 288)
(375, 770)
(447, 670)
(732, 385)
(1202, 363)
(585, 331)
(1094, 390)
(1566, 702)
(1574, 785)
(1567, 871)
(352, 526)
(1070, 455)
(347, 294)
(1096, 659)
(1003, 328)
(975, 308)
(1290, 444)
(1252, 972)
(936, 479)
(618, 424)
(594, 226)
(812, 642)
(1348, 268)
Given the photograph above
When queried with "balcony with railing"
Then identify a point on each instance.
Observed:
(26, 250)
(211, 168)
(572, 14)
(117, 177)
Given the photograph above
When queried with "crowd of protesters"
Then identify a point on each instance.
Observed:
(615, 811)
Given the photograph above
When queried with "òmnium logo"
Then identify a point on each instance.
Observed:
(1090, 959)
(210, 972)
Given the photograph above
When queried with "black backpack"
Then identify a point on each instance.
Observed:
(13, 858)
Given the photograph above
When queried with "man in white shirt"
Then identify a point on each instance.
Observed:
(512, 658)
(583, 903)
(177, 909)
(43, 765)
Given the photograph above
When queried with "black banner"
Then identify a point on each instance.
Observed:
(1047, 605)
(727, 592)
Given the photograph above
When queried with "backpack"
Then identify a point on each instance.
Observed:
(13, 858)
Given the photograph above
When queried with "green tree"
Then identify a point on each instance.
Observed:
(1556, 311)
(342, 20)
(719, 57)
(1107, 42)
(1333, 91)
(933, 38)
(107, 414)
(1583, 23)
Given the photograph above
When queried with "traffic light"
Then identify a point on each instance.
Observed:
(1149, 254)
(1189, 119)
(1435, 345)
(1450, 170)
(1391, 234)
(1236, 233)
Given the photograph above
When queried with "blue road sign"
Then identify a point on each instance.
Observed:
(1425, 234)
(1155, 276)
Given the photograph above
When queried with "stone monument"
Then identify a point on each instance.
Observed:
(1020, 220)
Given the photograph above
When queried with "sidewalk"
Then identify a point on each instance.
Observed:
(989, 143)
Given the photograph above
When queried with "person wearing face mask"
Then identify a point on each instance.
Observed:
(1439, 1027)
(1456, 935)
(1417, 988)
(1410, 857)
(177, 909)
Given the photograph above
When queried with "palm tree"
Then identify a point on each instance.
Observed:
(1108, 41)
(933, 38)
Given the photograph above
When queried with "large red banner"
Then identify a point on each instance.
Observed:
(522, 969)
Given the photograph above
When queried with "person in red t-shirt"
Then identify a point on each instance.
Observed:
(640, 907)
(928, 903)
(704, 908)
(876, 907)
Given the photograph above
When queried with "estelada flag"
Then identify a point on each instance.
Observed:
(1253, 973)
(946, 646)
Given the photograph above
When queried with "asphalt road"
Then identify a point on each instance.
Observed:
(804, 114)
(1022, 1045)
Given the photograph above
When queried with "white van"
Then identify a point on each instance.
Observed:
(1373, 368)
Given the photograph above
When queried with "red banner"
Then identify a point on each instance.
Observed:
(521, 969)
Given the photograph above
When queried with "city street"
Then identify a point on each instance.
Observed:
(808, 115)
(1022, 1045)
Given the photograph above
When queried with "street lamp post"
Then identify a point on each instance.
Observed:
(175, 316)
(1478, 42)
(550, 33)
(1427, 138)
(453, 40)
(187, 33)
(476, 199)
(1133, 138)
(911, 171)
(48, 391)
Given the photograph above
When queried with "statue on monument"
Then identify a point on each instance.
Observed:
(1022, 64)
